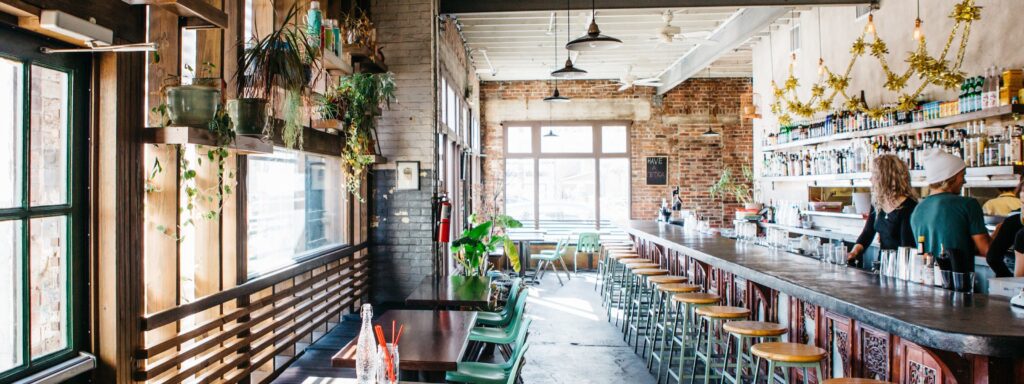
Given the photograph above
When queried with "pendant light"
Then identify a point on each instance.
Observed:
(555, 96)
(593, 40)
(918, 35)
(568, 71)
(551, 133)
(710, 133)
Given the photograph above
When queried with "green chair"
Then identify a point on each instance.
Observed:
(477, 372)
(547, 258)
(503, 317)
(588, 242)
(502, 335)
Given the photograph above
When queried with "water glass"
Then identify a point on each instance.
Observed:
(382, 365)
(963, 281)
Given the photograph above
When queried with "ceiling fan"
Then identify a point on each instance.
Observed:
(669, 33)
(629, 80)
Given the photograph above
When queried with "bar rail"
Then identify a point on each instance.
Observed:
(975, 324)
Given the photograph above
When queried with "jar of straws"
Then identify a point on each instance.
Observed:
(387, 367)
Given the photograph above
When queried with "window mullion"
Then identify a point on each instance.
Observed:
(26, 138)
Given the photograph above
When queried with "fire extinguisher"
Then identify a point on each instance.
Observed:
(445, 223)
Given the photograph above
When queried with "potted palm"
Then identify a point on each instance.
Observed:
(276, 62)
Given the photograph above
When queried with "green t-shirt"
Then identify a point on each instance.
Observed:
(948, 220)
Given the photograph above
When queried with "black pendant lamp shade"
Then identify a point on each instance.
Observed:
(593, 40)
(710, 133)
(556, 97)
(551, 133)
(568, 71)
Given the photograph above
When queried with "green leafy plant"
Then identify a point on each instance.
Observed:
(331, 105)
(475, 243)
(365, 94)
(739, 189)
(281, 59)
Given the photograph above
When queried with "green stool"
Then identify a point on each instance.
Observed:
(683, 329)
(787, 355)
(632, 288)
(655, 311)
(641, 302)
(663, 324)
(744, 332)
(711, 319)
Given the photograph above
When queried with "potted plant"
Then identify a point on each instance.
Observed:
(278, 61)
(195, 104)
(365, 95)
(471, 249)
(739, 189)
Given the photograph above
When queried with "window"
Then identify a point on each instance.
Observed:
(579, 172)
(43, 251)
(296, 207)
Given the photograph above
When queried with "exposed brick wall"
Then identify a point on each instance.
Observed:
(671, 128)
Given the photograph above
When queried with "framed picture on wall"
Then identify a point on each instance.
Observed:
(407, 176)
(657, 170)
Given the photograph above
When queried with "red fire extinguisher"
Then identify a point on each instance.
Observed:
(445, 224)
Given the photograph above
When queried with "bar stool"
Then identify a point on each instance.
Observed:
(665, 319)
(711, 319)
(615, 279)
(602, 262)
(744, 331)
(682, 329)
(640, 299)
(787, 355)
(655, 308)
(854, 380)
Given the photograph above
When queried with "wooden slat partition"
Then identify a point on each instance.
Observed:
(320, 290)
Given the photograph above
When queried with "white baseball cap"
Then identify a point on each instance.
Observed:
(939, 165)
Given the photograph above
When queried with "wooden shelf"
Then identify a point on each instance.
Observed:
(199, 136)
(198, 13)
(996, 176)
(364, 61)
(378, 159)
(329, 125)
(335, 65)
(998, 112)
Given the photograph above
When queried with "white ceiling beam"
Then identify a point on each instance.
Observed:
(733, 33)
(484, 6)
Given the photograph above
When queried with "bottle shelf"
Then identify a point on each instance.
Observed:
(363, 60)
(198, 13)
(199, 136)
(997, 112)
(994, 176)
(335, 65)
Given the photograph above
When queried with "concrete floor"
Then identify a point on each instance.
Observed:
(571, 340)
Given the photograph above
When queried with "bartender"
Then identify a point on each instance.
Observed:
(892, 202)
(1004, 241)
(946, 219)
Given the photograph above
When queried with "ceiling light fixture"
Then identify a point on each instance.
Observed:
(551, 133)
(593, 40)
(568, 71)
(710, 133)
(556, 97)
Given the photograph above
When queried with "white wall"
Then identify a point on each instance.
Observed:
(992, 41)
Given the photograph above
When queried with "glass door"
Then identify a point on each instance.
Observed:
(44, 109)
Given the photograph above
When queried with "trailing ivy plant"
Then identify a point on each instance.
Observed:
(365, 94)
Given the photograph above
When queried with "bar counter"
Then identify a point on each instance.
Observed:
(978, 324)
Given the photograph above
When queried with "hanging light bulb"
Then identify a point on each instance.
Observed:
(870, 28)
(918, 35)
(821, 67)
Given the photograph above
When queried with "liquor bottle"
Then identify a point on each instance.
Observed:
(366, 348)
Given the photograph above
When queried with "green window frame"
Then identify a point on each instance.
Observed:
(75, 72)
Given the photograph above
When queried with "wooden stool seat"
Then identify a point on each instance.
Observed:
(677, 287)
(723, 312)
(620, 250)
(623, 256)
(618, 247)
(755, 328)
(635, 266)
(669, 279)
(634, 261)
(854, 380)
(650, 272)
(788, 352)
(696, 298)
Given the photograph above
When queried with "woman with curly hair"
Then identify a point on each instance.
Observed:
(892, 202)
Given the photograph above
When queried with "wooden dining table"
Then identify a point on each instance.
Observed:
(432, 343)
(451, 292)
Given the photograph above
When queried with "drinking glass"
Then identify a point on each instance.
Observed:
(382, 365)
(963, 281)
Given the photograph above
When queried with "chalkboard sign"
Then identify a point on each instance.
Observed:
(657, 170)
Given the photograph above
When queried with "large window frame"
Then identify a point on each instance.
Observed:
(24, 48)
(536, 154)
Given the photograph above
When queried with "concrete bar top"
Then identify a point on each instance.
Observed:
(929, 316)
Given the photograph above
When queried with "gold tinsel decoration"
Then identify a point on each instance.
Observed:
(937, 70)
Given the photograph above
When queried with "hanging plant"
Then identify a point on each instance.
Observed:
(364, 95)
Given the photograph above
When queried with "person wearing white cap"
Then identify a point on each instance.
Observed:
(946, 219)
